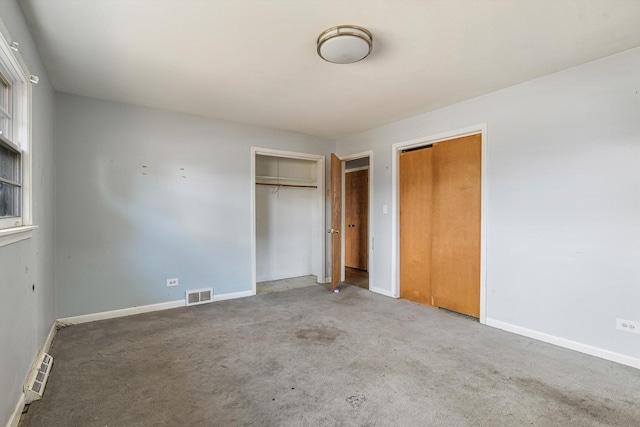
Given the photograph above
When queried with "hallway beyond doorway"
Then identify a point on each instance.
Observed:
(355, 277)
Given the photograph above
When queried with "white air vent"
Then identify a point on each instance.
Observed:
(199, 296)
(38, 376)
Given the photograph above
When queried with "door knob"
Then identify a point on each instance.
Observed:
(332, 231)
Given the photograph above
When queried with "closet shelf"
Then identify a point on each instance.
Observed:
(286, 185)
(283, 178)
(281, 181)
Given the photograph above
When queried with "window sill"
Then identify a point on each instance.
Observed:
(16, 234)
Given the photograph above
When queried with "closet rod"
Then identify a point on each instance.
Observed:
(287, 185)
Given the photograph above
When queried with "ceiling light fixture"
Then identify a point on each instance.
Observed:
(345, 44)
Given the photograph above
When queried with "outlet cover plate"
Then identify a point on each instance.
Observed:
(628, 326)
(172, 282)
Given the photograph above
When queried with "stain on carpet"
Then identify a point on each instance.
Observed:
(584, 404)
(320, 335)
(356, 400)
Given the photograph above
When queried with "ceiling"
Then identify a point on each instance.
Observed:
(255, 61)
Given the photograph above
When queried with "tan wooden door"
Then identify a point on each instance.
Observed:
(440, 193)
(336, 220)
(357, 219)
(455, 245)
(416, 170)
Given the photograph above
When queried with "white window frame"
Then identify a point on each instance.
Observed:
(5, 104)
(16, 73)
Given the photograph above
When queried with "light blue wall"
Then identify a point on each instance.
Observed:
(26, 316)
(120, 234)
(563, 238)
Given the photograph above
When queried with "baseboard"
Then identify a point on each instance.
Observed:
(381, 291)
(14, 419)
(327, 279)
(84, 318)
(232, 295)
(562, 342)
(52, 334)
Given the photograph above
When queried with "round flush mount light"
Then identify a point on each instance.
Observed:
(344, 44)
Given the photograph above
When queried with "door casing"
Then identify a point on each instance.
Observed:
(336, 231)
(370, 238)
(395, 215)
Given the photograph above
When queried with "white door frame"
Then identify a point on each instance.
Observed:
(395, 217)
(344, 160)
(319, 233)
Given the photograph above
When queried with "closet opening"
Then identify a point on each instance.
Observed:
(288, 220)
(422, 147)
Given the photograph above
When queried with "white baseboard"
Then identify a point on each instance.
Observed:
(385, 292)
(14, 419)
(232, 295)
(84, 318)
(562, 342)
(52, 334)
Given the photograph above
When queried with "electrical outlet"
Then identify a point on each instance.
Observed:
(628, 326)
(172, 282)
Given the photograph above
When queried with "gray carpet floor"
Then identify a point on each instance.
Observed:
(285, 284)
(309, 357)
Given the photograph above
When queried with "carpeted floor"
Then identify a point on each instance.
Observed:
(309, 357)
(285, 284)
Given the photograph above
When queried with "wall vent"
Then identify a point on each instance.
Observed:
(37, 379)
(199, 296)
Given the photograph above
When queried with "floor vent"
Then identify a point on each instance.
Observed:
(199, 296)
(34, 387)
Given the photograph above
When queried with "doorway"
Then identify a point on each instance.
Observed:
(356, 223)
(439, 221)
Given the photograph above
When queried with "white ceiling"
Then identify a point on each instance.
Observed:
(255, 61)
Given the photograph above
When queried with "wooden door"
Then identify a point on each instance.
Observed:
(415, 225)
(336, 220)
(357, 219)
(455, 244)
(440, 193)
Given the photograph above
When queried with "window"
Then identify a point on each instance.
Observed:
(5, 105)
(15, 150)
(10, 161)
(10, 186)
